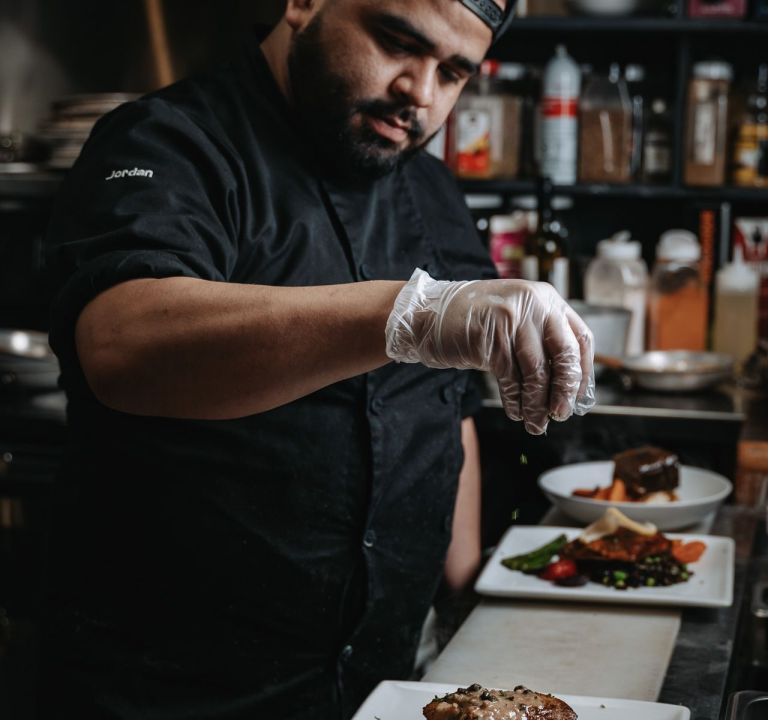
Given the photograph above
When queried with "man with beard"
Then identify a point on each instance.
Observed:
(257, 504)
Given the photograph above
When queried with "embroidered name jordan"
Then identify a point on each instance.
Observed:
(136, 172)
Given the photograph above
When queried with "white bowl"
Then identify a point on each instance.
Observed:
(700, 491)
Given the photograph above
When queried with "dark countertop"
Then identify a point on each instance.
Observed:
(706, 663)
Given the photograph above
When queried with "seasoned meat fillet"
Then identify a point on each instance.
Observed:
(478, 703)
(623, 545)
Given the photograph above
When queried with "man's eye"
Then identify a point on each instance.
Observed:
(449, 75)
(395, 44)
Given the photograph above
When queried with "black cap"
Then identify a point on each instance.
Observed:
(491, 14)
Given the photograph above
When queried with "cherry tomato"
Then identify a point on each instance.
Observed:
(560, 569)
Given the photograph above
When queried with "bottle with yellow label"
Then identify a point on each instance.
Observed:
(750, 152)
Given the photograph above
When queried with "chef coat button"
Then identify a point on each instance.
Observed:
(366, 272)
(369, 540)
(377, 405)
(346, 652)
(446, 394)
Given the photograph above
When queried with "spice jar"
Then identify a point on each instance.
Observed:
(677, 299)
(605, 137)
(707, 124)
(751, 149)
(487, 123)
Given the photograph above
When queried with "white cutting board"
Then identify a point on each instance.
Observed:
(565, 648)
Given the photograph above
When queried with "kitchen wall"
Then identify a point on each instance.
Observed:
(50, 48)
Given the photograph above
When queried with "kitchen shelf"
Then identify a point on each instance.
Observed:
(629, 192)
(38, 185)
(578, 24)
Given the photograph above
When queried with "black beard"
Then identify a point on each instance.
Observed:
(325, 109)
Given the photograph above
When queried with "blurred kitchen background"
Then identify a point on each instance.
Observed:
(616, 148)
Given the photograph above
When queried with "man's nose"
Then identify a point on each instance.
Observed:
(417, 83)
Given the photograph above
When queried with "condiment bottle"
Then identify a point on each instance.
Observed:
(634, 76)
(677, 297)
(618, 277)
(657, 145)
(707, 123)
(558, 129)
(511, 84)
(487, 125)
(737, 288)
(750, 153)
(472, 127)
(547, 244)
(605, 134)
(508, 235)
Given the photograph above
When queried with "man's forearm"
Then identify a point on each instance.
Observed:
(181, 347)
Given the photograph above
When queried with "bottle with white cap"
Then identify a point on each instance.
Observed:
(677, 298)
(558, 118)
(618, 277)
(737, 288)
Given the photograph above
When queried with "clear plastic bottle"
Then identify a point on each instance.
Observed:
(618, 277)
(677, 295)
(737, 288)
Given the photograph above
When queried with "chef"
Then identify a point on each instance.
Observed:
(268, 299)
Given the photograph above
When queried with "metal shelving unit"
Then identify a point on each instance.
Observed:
(670, 45)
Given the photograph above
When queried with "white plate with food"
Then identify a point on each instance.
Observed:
(697, 494)
(396, 700)
(648, 575)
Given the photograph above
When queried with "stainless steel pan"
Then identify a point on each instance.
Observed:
(27, 362)
(672, 370)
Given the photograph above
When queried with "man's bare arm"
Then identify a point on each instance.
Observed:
(465, 553)
(188, 348)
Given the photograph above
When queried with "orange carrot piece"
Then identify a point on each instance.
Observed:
(618, 491)
(583, 492)
(688, 552)
(603, 493)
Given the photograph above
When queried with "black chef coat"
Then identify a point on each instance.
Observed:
(276, 565)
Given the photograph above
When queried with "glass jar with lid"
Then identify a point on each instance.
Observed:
(605, 130)
(706, 142)
(618, 277)
(677, 295)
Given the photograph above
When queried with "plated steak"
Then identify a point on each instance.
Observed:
(479, 703)
(647, 470)
(623, 545)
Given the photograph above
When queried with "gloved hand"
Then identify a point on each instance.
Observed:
(523, 332)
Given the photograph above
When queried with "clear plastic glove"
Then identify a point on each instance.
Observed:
(539, 349)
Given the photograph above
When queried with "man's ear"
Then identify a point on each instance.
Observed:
(298, 13)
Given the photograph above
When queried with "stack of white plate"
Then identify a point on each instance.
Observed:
(72, 119)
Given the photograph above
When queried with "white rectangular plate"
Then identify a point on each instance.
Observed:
(394, 700)
(710, 586)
